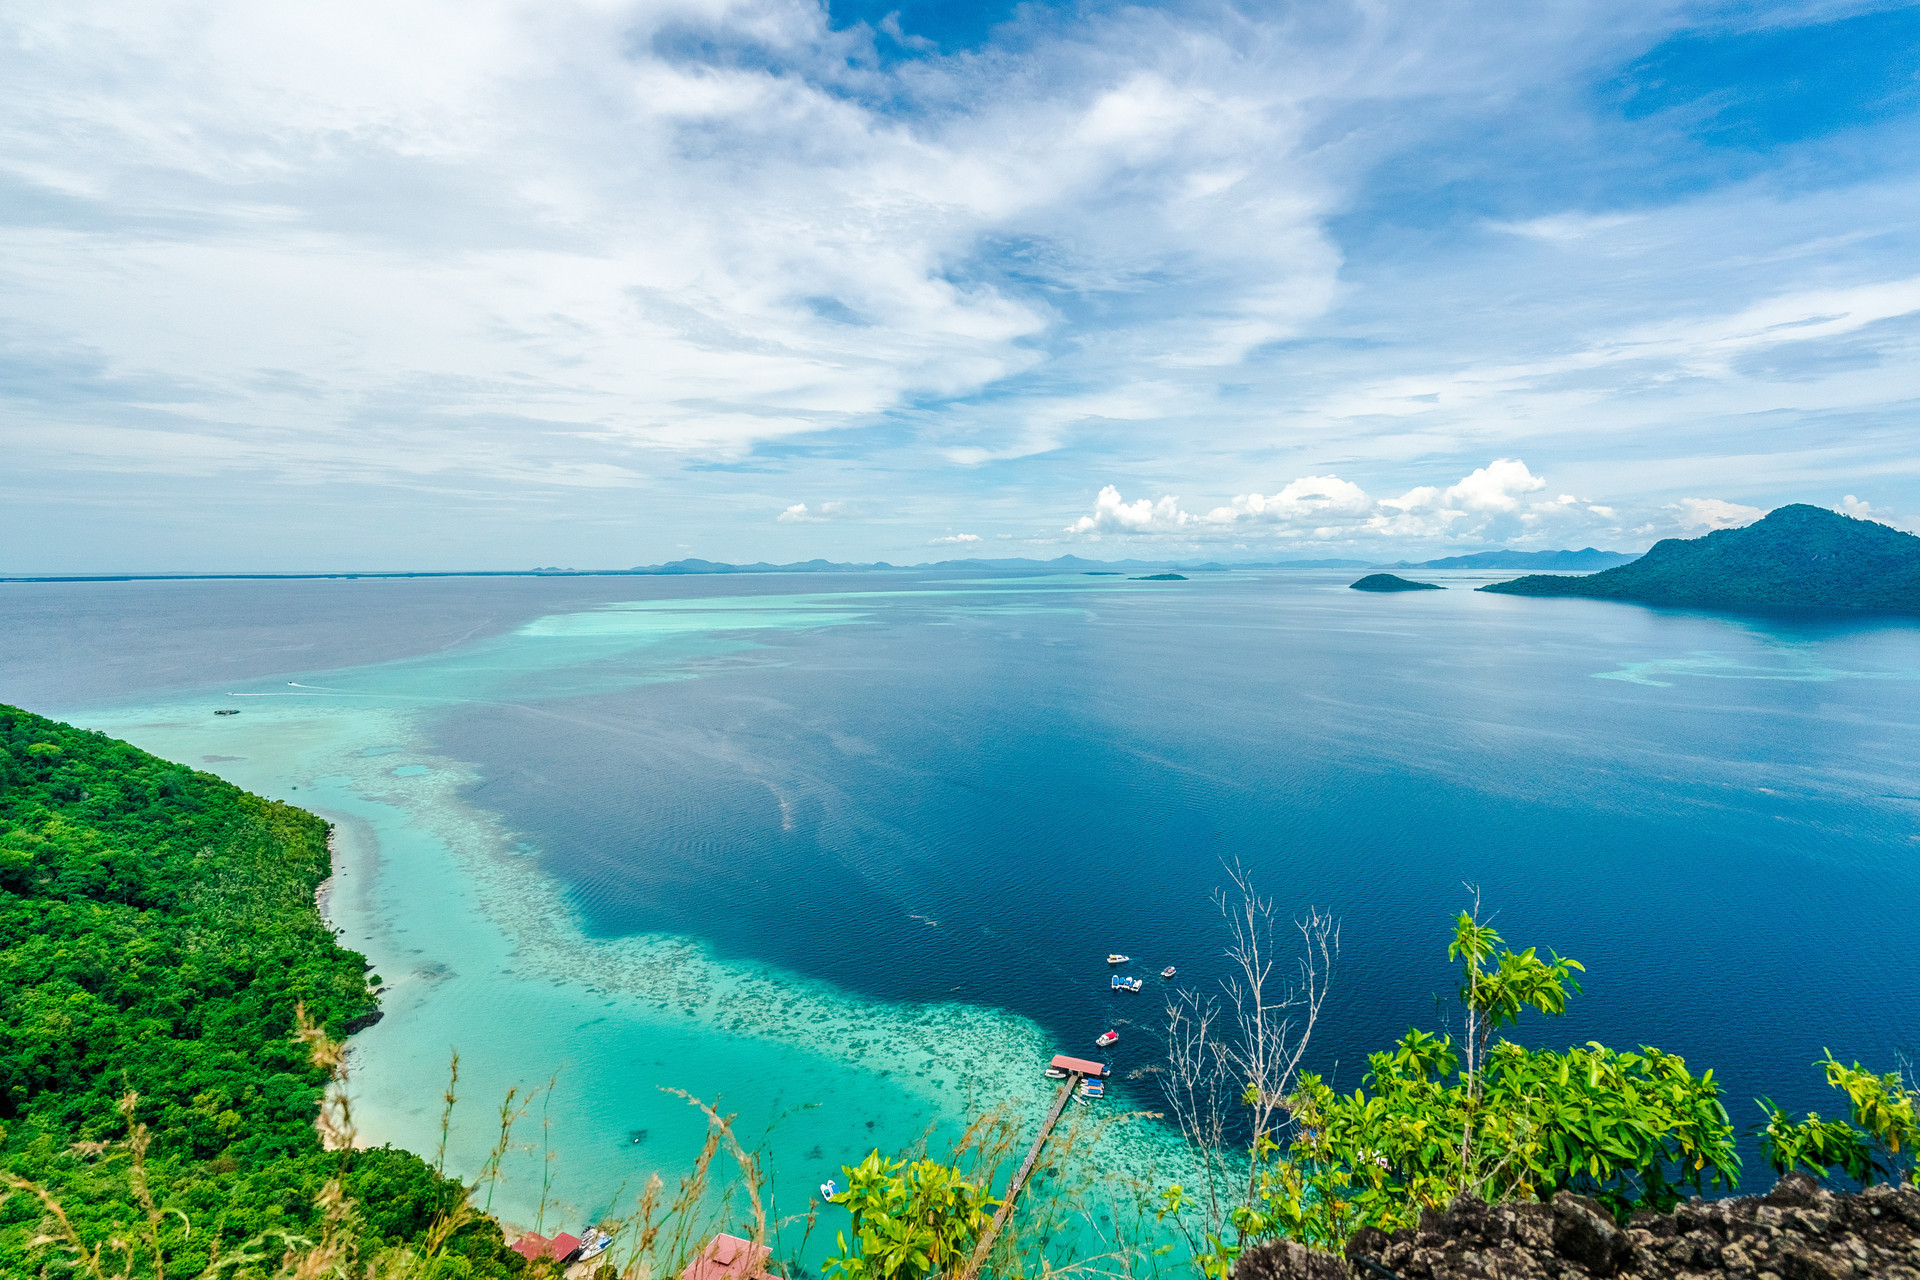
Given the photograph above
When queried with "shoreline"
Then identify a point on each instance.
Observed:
(478, 950)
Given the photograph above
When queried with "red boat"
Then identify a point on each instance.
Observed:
(1107, 1038)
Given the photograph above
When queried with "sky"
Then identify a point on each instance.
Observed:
(592, 283)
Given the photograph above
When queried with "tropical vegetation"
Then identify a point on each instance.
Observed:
(1435, 1119)
(157, 934)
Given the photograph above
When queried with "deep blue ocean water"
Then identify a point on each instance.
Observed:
(972, 790)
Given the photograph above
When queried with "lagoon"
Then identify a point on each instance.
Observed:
(849, 852)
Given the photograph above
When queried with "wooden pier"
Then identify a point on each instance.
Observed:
(1077, 1069)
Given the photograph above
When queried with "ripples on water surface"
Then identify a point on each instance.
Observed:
(858, 807)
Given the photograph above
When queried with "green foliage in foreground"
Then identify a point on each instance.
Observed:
(1631, 1129)
(910, 1221)
(1879, 1143)
(157, 931)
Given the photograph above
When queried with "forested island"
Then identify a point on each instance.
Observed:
(157, 933)
(1799, 556)
(1392, 582)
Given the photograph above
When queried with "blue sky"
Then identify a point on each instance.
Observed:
(436, 285)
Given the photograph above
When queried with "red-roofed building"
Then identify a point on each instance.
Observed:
(1081, 1065)
(729, 1258)
(533, 1246)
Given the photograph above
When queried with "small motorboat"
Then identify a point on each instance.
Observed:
(1117, 958)
(1167, 972)
(227, 711)
(1093, 1089)
(1056, 1073)
(593, 1244)
(1125, 984)
(827, 1190)
(1107, 1037)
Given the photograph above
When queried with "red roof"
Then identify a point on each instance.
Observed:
(1081, 1065)
(728, 1258)
(533, 1245)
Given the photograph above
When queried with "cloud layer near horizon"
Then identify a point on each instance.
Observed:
(606, 282)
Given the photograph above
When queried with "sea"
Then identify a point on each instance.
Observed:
(843, 857)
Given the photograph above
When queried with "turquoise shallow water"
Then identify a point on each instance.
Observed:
(850, 857)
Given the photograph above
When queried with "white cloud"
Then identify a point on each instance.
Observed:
(1498, 486)
(1563, 228)
(953, 538)
(1309, 499)
(1490, 503)
(590, 247)
(575, 223)
(1715, 513)
(1856, 507)
(800, 513)
(1112, 514)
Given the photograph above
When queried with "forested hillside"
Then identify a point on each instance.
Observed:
(157, 931)
(1799, 557)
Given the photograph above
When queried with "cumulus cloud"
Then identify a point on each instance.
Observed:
(954, 538)
(1492, 501)
(1113, 514)
(1305, 499)
(800, 513)
(1715, 513)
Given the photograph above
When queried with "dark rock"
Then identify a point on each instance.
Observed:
(1585, 1233)
(1796, 1190)
(356, 1025)
(1802, 1263)
(1798, 1231)
(1288, 1260)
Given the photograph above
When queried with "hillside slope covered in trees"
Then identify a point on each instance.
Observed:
(157, 932)
(1798, 557)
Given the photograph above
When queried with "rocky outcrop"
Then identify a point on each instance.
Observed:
(1798, 1231)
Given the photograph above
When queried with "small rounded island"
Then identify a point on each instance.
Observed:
(1388, 582)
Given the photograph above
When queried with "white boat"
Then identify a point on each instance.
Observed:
(1117, 958)
(1092, 1089)
(827, 1190)
(1125, 984)
(1167, 972)
(1056, 1073)
(592, 1244)
(1107, 1037)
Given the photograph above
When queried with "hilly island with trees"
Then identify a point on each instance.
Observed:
(1798, 557)
(171, 1090)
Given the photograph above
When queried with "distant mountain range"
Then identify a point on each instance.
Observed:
(1059, 564)
(1798, 556)
(1587, 559)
